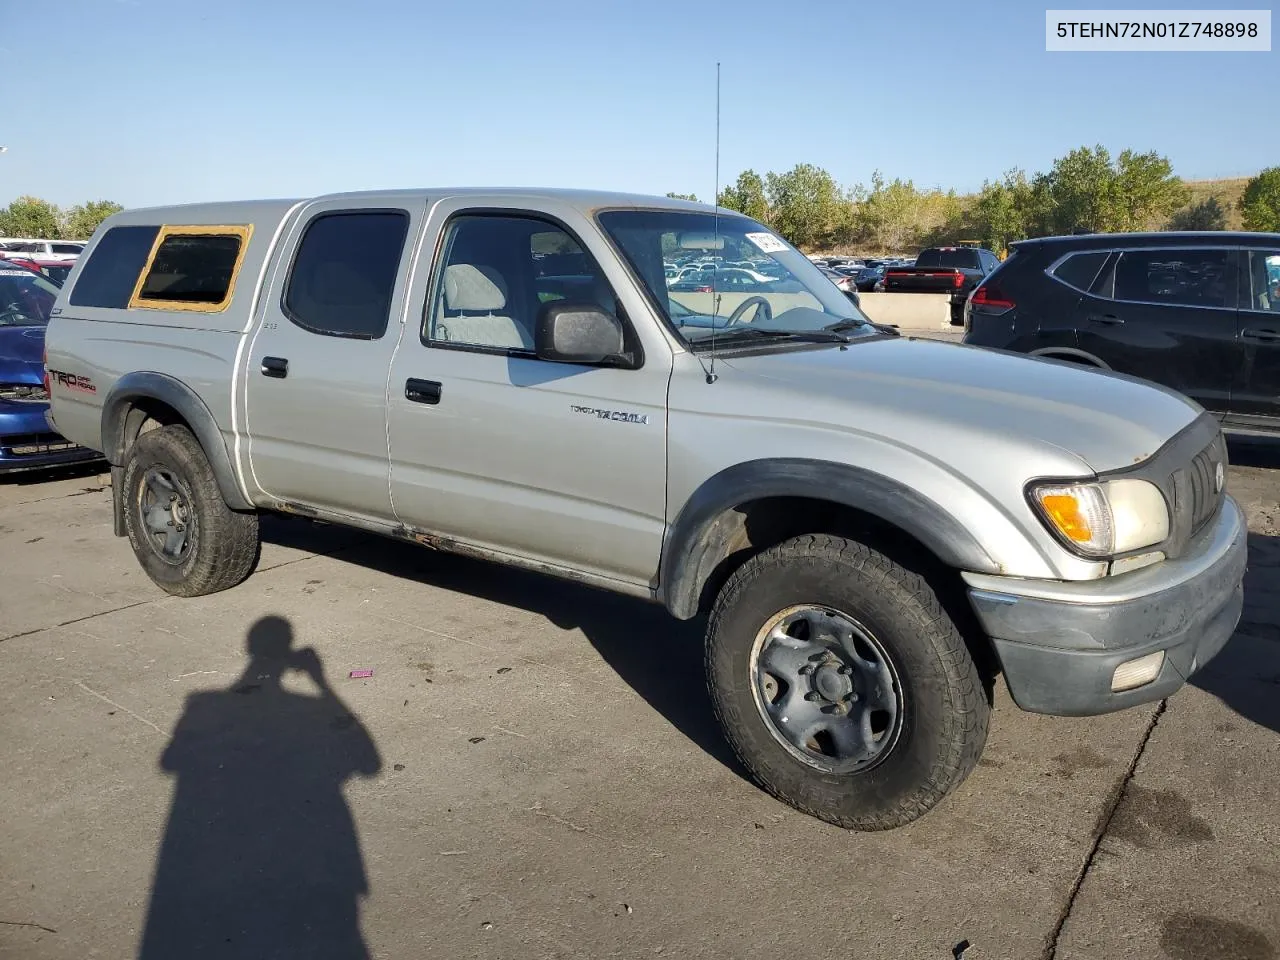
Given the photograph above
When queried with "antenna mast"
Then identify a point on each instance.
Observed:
(715, 200)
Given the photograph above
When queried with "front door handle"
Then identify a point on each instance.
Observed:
(421, 391)
(1260, 333)
(277, 367)
(1106, 319)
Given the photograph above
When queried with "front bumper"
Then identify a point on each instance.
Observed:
(27, 443)
(1059, 643)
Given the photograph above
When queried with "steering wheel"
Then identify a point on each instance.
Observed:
(11, 316)
(765, 310)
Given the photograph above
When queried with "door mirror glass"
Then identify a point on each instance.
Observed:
(577, 332)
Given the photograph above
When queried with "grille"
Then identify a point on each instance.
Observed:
(1202, 477)
(23, 392)
(34, 444)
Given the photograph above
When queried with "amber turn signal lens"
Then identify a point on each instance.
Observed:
(1064, 511)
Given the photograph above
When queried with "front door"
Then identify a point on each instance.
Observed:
(559, 463)
(1167, 315)
(1258, 399)
(315, 372)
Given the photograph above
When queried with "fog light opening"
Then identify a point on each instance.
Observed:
(1137, 673)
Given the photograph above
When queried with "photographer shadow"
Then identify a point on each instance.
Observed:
(260, 856)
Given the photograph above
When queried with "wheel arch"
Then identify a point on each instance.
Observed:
(137, 398)
(713, 533)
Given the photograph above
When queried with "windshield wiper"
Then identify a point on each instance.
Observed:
(841, 326)
(760, 333)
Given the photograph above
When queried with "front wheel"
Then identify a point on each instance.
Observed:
(842, 684)
(183, 533)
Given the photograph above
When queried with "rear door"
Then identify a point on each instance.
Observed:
(316, 368)
(1167, 315)
(1257, 401)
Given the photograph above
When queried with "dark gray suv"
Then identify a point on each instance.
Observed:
(1198, 312)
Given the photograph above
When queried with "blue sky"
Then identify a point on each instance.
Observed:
(168, 101)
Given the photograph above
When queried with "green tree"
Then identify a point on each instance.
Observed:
(81, 220)
(1085, 190)
(1077, 190)
(1004, 211)
(1260, 204)
(30, 217)
(1208, 214)
(887, 218)
(1143, 191)
(747, 196)
(806, 206)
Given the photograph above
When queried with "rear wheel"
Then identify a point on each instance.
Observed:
(842, 684)
(183, 533)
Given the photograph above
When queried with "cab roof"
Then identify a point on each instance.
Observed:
(240, 211)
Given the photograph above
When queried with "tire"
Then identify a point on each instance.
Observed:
(940, 709)
(219, 545)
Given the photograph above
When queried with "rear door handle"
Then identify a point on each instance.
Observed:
(1260, 333)
(275, 367)
(422, 391)
(1107, 319)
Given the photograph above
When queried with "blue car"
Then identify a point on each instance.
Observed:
(26, 442)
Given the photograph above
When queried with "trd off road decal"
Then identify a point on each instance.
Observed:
(72, 381)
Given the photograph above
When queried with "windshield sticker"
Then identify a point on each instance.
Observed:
(16, 273)
(766, 242)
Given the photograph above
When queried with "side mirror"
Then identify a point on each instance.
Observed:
(569, 332)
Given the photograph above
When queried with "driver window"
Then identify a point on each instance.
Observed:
(496, 274)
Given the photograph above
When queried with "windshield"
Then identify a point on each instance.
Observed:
(25, 297)
(732, 278)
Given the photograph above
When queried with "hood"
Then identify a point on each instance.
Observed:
(21, 354)
(931, 394)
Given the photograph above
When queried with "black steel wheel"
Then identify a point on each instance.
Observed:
(842, 684)
(182, 531)
(827, 688)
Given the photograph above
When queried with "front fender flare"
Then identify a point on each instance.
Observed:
(176, 394)
(690, 550)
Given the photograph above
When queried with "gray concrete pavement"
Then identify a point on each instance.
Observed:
(533, 771)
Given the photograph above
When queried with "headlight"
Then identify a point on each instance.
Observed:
(1105, 518)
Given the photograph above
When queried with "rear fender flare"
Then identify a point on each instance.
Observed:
(120, 426)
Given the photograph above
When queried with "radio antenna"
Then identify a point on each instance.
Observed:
(715, 294)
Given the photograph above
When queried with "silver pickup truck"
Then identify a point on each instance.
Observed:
(872, 525)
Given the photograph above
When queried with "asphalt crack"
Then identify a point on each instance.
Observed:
(143, 603)
(23, 923)
(1103, 825)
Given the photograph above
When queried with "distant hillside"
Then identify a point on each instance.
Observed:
(1228, 193)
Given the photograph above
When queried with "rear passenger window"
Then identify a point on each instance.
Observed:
(108, 277)
(192, 268)
(1080, 269)
(1195, 278)
(344, 273)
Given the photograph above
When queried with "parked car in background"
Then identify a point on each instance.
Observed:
(55, 270)
(843, 283)
(26, 441)
(951, 270)
(42, 249)
(865, 280)
(1198, 312)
